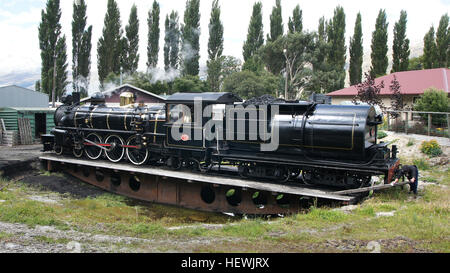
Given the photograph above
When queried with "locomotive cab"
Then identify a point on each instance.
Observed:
(185, 127)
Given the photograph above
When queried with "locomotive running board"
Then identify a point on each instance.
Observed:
(197, 191)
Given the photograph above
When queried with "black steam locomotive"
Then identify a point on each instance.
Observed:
(315, 143)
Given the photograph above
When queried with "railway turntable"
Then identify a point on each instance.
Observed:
(205, 192)
(199, 191)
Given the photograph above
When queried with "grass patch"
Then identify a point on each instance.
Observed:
(410, 143)
(48, 240)
(382, 134)
(439, 175)
(328, 215)
(366, 211)
(5, 236)
(423, 221)
(422, 164)
(31, 213)
(146, 229)
(247, 228)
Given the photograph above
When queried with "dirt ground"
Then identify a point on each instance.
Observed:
(413, 151)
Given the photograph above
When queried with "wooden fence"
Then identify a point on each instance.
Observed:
(407, 118)
(25, 133)
(12, 138)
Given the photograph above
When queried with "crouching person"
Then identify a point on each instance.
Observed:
(412, 174)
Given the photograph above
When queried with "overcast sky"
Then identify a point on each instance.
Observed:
(19, 19)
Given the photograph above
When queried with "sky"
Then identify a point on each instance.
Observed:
(19, 20)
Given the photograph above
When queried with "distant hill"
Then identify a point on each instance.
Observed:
(23, 79)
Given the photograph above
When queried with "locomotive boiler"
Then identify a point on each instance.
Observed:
(316, 143)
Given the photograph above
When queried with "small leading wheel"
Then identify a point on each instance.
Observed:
(137, 154)
(92, 151)
(243, 170)
(174, 162)
(283, 175)
(78, 153)
(58, 149)
(295, 173)
(116, 151)
(366, 181)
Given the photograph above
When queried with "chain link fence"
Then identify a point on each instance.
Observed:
(414, 122)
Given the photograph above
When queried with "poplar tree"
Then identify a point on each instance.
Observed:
(53, 50)
(356, 53)
(296, 22)
(338, 49)
(429, 50)
(276, 23)
(61, 67)
(322, 29)
(379, 46)
(171, 41)
(215, 48)
(190, 38)
(131, 52)
(153, 35)
(110, 45)
(81, 49)
(166, 44)
(255, 36)
(442, 42)
(37, 86)
(325, 77)
(400, 47)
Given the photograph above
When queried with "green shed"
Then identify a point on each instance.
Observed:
(41, 119)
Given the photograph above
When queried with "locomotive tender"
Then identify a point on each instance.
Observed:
(316, 143)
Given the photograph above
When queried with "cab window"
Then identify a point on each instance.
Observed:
(218, 112)
(179, 113)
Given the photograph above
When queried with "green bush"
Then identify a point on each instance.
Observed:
(431, 148)
(382, 134)
(410, 143)
(433, 100)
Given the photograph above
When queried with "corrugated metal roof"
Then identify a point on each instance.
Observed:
(29, 109)
(34, 109)
(411, 82)
(129, 86)
(16, 96)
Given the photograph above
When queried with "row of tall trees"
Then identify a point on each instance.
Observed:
(436, 50)
(298, 60)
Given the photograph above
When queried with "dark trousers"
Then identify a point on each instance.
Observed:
(416, 181)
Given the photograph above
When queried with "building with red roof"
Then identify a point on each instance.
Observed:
(413, 84)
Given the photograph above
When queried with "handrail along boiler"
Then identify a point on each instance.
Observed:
(318, 144)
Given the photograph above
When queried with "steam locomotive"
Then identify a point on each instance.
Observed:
(315, 143)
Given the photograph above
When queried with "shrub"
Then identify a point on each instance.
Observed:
(431, 148)
(433, 100)
(382, 134)
(410, 143)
